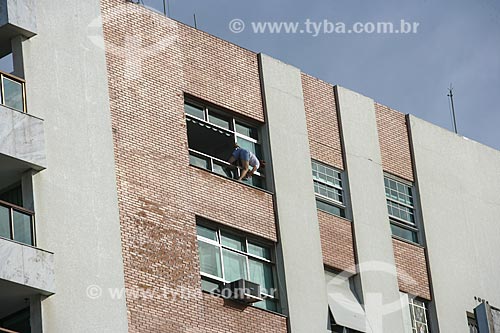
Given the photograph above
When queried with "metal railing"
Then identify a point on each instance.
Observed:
(17, 223)
(13, 91)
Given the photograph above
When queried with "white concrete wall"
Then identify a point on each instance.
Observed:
(75, 197)
(459, 185)
(300, 245)
(372, 233)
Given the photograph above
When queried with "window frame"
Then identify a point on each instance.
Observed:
(424, 307)
(207, 109)
(342, 206)
(247, 239)
(413, 227)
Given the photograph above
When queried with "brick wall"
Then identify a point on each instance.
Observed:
(394, 142)
(325, 145)
(336, 242)
(412, 269)
(322, 122)
(152, 61)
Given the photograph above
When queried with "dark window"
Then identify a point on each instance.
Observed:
(212, 135)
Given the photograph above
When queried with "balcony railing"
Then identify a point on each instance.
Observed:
(13, 92)
(17, 223)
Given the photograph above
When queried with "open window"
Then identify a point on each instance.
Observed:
(212, 134)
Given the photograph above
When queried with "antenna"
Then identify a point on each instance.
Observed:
(194, 17)
(165, 7)
(450, 95)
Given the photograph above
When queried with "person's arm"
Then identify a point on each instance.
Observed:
(250, 174)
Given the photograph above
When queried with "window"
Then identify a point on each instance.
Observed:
(328, 188)
(401, 209)
(211, 137)
(226, 256)
(472, 323)
(418, 314)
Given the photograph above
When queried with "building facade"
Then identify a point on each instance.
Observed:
(119, 211)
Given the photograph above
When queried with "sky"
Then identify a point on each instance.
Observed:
(456, 42)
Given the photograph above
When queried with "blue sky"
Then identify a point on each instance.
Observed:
(457, 41)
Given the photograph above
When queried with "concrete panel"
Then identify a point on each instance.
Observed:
(459, 183)
(18, 16)
(300, 244)
(27, 266)
(22, 137)
(75, 198)
(377, 271)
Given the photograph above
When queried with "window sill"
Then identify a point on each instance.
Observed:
(337, 216)
(231, 179)
(407, 241)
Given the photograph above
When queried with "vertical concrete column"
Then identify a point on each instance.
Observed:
(75, 197)
(17, 55)
(299, 241)
(377, 271)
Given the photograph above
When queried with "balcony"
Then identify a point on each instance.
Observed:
(17, 18)
(22, 144)
(26, 275)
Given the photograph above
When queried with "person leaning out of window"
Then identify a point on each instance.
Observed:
(245, 159)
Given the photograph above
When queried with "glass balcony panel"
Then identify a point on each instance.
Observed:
(22, 228)
(13, 94)
(4, 222)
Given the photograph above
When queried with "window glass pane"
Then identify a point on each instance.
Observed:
(250, 146)
(206, 232)
(419, 314)
(4, 222)
(247, 131)
(400, 211)
(258, 250)
(235, 266)
(22, 228)
(267, 304)
(257, 181)
(209, 259)
(330, 208)
(218, 120)
(209, 286)
(232, 241)
(194, 111)
(13, 94)
(404, 233)
(261, 273)
(327, 175)
(197, 161)
(328, 191)
(221, 169)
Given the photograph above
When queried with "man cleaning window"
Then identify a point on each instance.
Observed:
(245, 159)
